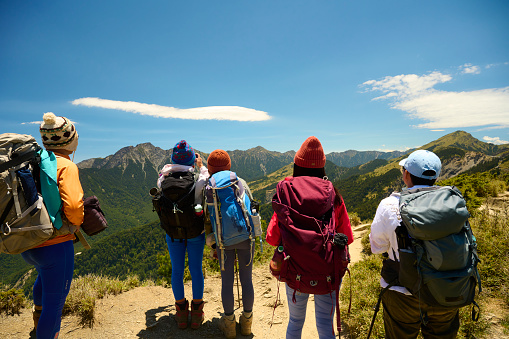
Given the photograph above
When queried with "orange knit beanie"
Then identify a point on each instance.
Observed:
(310, 154)
(218, 161)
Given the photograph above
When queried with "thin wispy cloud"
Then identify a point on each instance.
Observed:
(495, 140)
(416, 95)
(40, 122)
(234, 113)
(470, 69)
(497, 64)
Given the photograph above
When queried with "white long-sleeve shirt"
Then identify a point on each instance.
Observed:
(383, 236)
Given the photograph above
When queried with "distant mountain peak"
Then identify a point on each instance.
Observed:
(140, 154)
(464, 141)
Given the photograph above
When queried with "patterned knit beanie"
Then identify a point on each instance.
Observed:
(218, 161)
(310, 154)
(58, 133)
(183, 154)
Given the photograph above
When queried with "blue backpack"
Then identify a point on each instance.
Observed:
(233, 216)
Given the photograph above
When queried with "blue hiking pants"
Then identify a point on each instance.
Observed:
(55, 266)
(177, 249)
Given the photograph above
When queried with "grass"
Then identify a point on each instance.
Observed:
(86, 290)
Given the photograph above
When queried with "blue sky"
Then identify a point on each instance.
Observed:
(363, 75)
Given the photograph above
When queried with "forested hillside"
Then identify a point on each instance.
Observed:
(127, 252)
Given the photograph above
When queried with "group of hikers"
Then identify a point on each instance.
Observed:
(209, 205)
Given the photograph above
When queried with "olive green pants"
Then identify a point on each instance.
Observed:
(402, 318)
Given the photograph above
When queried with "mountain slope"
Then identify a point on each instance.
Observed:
(353, 158)
(458, 151)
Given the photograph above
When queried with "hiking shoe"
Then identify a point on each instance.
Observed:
(196, 314)
(36, 314)
(182, 314)
(245, 324)
(228, 327)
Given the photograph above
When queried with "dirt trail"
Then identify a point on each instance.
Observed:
(148, 312)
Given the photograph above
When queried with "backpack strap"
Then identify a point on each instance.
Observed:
(239, 192)
(175, 203)
(217, 210)
(20, 159)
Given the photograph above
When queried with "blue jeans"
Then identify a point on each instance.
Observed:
(55, 265)
(177, 250)
(324, 313)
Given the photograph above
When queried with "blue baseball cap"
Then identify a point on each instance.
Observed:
(423, 164)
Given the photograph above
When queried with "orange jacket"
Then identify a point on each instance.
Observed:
(71, 192)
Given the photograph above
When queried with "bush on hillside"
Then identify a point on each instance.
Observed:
(354, 219)
(12, 301)
(475, 187)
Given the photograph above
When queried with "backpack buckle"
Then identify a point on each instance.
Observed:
(176, 209)
(297, 277)
(5, 229)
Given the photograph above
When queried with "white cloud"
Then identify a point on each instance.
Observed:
(32, 123)
(443, 109)
(470, 69)
(497, 64)
(406, 85)
(495, 140)
(199, 113)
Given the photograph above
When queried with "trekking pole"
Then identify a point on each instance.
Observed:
(377, 307)
(237, 275)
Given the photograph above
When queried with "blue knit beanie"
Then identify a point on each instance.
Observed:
(183, 154)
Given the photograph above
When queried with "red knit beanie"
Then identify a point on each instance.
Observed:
(218, 161)
(310, 154)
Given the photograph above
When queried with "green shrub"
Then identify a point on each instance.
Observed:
(354, 219)
(12, 301)
(366, 246)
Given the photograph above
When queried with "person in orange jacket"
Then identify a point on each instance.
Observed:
(54, 259)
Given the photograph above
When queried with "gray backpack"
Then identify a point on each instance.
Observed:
(437, 249)
(24, 220)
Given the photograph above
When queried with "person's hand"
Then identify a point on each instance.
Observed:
(198, 160)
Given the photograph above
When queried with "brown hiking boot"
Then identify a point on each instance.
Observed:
(36, 314)
(245, 324)
(228, 327)
(196, 314)
(182, 314)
